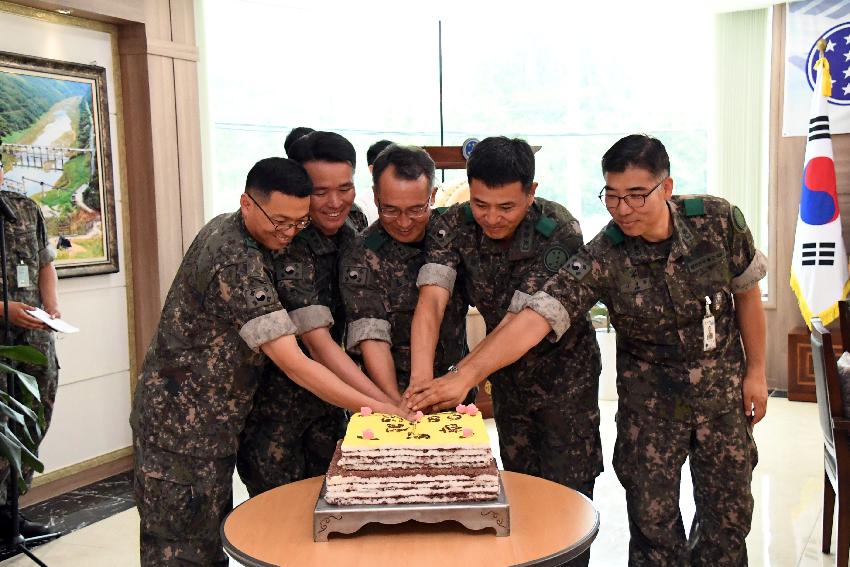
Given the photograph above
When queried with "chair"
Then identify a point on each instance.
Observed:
(836, 439)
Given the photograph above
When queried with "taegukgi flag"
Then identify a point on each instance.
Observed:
(819, 275)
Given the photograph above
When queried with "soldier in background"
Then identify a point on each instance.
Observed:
(32, 284)
(294, 135)
(680, 278)
(506, 241)
(221, 319)
(373, 152)
(291, 434)
(378, 274)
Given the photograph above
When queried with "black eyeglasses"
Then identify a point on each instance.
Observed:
(280, 229)
(392, 213)
(634, 201)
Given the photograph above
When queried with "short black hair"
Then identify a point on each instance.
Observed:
(278, 174)
(499, 160)
(637, 150)
(410, 163)
(323, 146)
(294, 134)
(375, 149)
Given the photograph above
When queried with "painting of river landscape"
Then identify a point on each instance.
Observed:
(55, 146)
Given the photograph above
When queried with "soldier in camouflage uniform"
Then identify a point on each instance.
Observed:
(32, 283)
(505, 241)
(221, 316)
(680, 278)
(290, 433)
(378, 274)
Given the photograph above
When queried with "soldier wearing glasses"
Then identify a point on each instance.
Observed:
(222, 320)
(378, 274)
(680, 278)
(291, 434)
(506, 240)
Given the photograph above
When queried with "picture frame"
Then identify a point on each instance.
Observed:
(56, 148)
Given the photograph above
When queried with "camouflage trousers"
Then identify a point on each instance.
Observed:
(556, 442)
(287, 438)
(182, 501)
(648, 459)
(47, 378)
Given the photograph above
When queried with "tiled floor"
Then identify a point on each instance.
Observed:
(786, 525)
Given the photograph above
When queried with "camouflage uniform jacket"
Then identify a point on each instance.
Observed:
(378, 284)
(28, 246)
(307, 273)
(656, 298)
(561, 373)
(199, 375)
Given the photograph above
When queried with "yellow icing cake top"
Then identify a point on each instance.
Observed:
(444, 429)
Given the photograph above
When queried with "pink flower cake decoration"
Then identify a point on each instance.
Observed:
(365, 410)
(460, 408)
(467, 432)
(471, 409)
(368, 434)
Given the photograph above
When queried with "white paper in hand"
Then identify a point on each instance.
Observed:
(55, 324)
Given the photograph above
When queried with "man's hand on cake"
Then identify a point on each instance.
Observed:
(443, 393)
(417, 384)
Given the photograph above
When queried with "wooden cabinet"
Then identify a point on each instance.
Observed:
(801, 374)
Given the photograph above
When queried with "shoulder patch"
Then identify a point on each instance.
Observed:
(694, 207)
(467, 211)
(374, 241)
(260, 295)
(546, 226)
(355, 275)
(289, 271)
(738, 220)
(615, 235)
(578, 265)
(555, 257)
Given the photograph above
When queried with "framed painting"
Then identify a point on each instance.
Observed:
(56, 149)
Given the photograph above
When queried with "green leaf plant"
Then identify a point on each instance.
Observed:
(26, 412)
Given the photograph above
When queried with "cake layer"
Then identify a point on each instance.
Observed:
(407, 486)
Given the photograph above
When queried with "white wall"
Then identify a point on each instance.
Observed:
(93, 402)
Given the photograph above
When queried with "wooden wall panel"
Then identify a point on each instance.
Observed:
(189, 134)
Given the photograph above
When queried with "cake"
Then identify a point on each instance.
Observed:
(386, 459)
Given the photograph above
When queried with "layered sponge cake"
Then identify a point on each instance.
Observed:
(386, 459)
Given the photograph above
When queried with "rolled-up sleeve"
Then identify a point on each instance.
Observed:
(367, 330)
(750, 277)
(437, 274)
(265, 328)
(311, 317)
(550, 309)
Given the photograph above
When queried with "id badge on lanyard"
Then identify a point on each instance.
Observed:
(23, 278)
(709, 337)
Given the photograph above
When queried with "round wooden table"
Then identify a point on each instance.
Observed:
(550, 524)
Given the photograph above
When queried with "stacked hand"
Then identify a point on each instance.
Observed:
(445, 392)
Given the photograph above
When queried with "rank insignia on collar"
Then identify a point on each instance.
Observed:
(554, 258)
